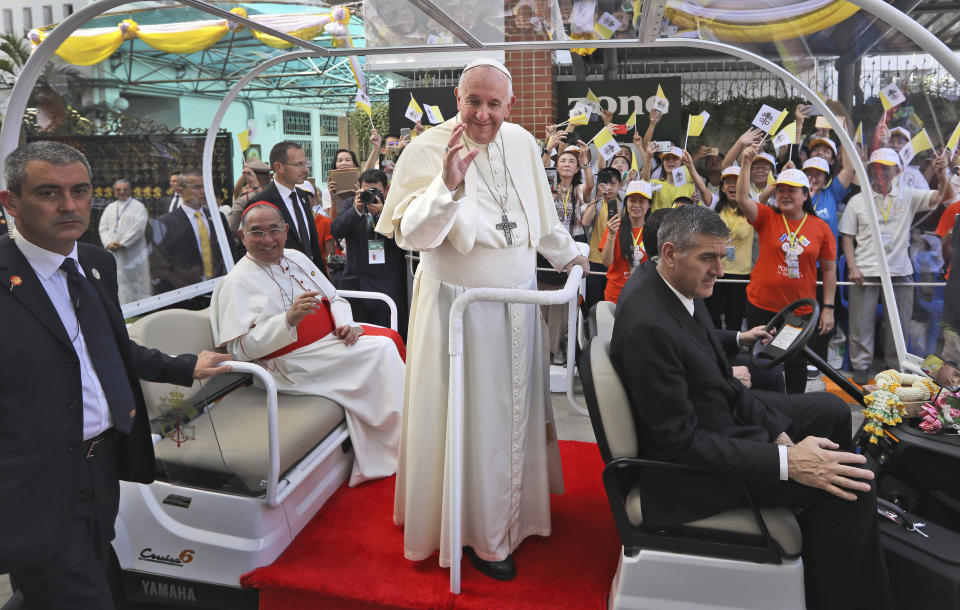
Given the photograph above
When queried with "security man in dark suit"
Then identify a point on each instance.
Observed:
(374, 262)
(72, 417)
(185, 247)
(290, 168)
(690, 409)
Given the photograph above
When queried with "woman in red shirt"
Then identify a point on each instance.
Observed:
(792, 241)
(625, 252)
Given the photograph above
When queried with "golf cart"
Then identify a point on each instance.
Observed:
(240, 472)
(750, 557)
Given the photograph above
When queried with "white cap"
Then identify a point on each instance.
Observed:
(793, 177)
(766, 157)
(902, 131)
(733, 170)
(826, 141)
(489, 62)
(885, 156)
(676, 151)
(307, 186)
(639, 187)
(817, 163)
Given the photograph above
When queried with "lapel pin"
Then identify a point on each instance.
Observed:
(133, 413)
(95, 272)
(15, 280)
(313, 273)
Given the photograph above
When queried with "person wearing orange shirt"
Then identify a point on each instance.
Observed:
(792, 240)
(945, 230)
(625, 252)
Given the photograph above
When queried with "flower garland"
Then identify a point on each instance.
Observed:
(944, 412)
(884, 407)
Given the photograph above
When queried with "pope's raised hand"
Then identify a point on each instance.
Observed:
(455, 166)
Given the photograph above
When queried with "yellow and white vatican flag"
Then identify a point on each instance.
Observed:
(786, 136)
(915, 146)
(433, 114)
(605, 143)
(891, 96)
(414, 111)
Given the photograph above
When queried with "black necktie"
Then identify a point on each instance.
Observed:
(98, 335)
(298, 219)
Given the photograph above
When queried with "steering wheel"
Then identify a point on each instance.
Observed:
(791, 336)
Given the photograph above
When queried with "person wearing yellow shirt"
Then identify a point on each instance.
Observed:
(669, 188)
(729, 300)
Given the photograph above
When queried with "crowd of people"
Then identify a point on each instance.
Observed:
(473, 197)
(796, 218)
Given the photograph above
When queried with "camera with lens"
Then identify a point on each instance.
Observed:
(368, 196)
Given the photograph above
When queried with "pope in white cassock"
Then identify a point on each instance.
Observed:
(121, 231)
(472, 196)
(277, 309)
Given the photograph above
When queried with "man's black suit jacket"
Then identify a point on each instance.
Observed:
(312, 249)
(41, 409)
(688, 407)
(389, 278)
(175, 260)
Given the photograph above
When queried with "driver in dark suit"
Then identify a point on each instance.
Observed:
(690, 409)
(72, 416)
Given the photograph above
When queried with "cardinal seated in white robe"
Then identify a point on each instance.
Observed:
(248, 315)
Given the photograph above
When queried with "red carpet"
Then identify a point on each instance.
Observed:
(351, 555)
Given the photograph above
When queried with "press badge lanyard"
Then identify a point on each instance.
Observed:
(376, 251)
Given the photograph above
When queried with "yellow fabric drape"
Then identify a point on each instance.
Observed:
(184, 42)
(92, 47)
(88, 50)
(816, 21)
(272, 41)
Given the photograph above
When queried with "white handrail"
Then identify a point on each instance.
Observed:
(455, 397)
(273, 426)
(373, 296)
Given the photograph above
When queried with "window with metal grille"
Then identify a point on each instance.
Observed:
(307, 146)
(328, 125)
(295, 121)
(327, 150)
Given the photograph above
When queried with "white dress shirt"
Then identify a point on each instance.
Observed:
(688, 303)
(175, 201)
(295, 214)
(46, 264)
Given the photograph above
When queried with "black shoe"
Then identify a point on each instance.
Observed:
(499, 570)
(861, 377)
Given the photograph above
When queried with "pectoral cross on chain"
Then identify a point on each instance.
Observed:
(507, 226)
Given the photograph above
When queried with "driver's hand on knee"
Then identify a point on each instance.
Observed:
(743, 374)
(749, 337)
(815, 462)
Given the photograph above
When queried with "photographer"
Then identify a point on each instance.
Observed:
(374, 262)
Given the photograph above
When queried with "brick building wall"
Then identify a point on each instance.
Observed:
(534, 75)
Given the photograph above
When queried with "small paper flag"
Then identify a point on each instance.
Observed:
(363, 102)
(660, 92)
(414, 112)
(780, 118)
(605, 143)
(921, 142)
(633, 162)
(696, 123)
(606, 25)
(891, 96)
(244, 138)
(433, 114)
(580, 119)
(594, 101)
(766, 118)
(636, 5)
(858, 135)
(954, 139)
(786, 136)
(632, 121)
